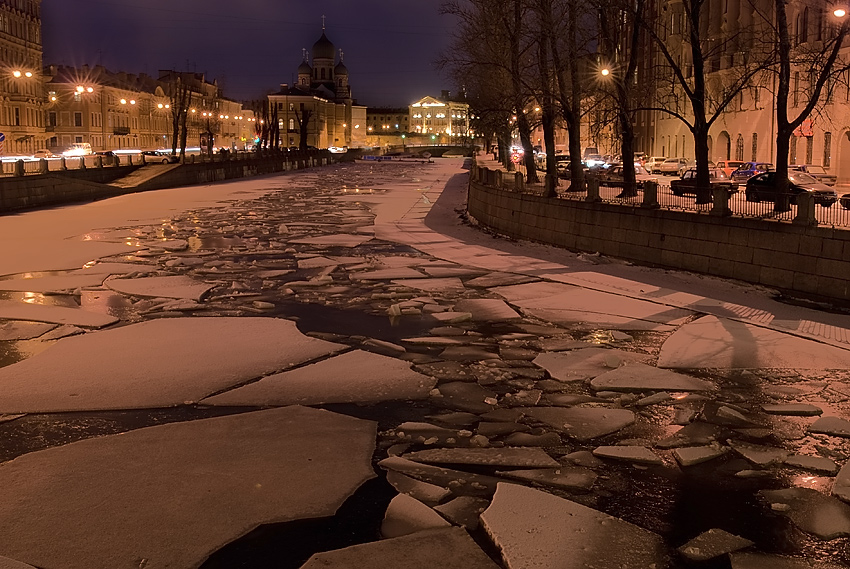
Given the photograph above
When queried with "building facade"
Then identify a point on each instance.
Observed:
(321, 100)
(22, 96)
(443, 117)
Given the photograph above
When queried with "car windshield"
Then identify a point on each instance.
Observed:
(801, 178)
(718, 173)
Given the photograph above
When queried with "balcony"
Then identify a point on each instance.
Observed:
(121, 130)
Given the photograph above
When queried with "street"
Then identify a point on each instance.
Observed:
(261, 373)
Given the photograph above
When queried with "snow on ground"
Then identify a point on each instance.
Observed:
(712, 342)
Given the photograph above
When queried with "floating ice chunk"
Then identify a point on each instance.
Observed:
(23, 330)
(509, 457)
(432, 284)
(152, 364)
(831, 426)
(563, 478)
(583, 423)
(811, 511)
(406, 515)
(635, 454)
(459, 482)
(821, 465)
(450, 548)
(220, 478)
(487, 310)
(532, 528)
(54, 314)
(640, 377)
(759, 455)
(690, 456)
(179, 286)
(585, 363)
(795, 409)
(353, 377)
(429, 494)
(713, 543)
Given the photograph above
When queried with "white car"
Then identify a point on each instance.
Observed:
(653, 163)
(671, 166)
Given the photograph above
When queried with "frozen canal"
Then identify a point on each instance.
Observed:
(334, 368)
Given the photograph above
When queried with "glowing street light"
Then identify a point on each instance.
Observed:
(605, 72)
(839, 12)
(16, 73)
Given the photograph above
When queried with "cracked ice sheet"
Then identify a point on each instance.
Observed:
(158, 363)
(567, 305)
(33, 255)
(450, 548)
(712, 342)
(171, 495)
(181, 287)
(340, 240)
(532, 528)
(352, 377)
(54, 314)
(453, 284)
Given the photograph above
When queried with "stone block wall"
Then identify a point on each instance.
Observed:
(809, 261)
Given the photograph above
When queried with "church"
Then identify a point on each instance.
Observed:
(321, 97)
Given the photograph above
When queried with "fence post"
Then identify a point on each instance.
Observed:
(592, 189)
(720, 201)
(805, 210)
(98, 161)
(62, 164)
(650, 194)
(519, 182)
(42, 166)
(19, 167)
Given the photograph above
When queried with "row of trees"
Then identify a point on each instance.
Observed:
(528, 63)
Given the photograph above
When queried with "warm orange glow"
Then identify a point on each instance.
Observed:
(839, 12)
(605, 72)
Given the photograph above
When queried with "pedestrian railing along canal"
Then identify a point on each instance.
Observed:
(803, 211)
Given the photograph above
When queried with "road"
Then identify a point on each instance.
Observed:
(166, 356)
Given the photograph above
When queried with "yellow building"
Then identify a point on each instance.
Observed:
(21, 84)
(443, 117)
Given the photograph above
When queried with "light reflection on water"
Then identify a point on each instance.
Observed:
(212, 242)
(15, 351)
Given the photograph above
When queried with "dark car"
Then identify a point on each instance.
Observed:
(687, 184)
(750, 169)
(158, 156)
(845, 201)
(817, 172)
(762, 187)
(614, 176)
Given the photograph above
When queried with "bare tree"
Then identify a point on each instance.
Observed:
(303, 120)
(695, 85)
(180, 94)
(818, 53)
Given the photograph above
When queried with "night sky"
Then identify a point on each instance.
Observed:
(252, 46)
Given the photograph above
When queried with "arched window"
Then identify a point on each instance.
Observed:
(803, 26)
(755, 146)
(739, 148)
(291, 124)
(323, 73)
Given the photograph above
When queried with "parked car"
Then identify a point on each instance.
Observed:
(595, 161)
(159, 156)
(653, 163)
(614, 176)
(817, 172)
(750, 169)
(693, 164)
(729, 166)
(762, 187)
(687, 184)
(43, 153)
(671, 166)
(845, 201)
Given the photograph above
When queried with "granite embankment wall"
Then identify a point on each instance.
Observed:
(31, 191)
(802, 260)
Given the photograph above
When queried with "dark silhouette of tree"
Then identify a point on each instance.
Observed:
(303, 120)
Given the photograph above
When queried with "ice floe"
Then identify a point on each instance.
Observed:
(179, 286)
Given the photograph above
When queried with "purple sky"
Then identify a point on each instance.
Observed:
(252, 46)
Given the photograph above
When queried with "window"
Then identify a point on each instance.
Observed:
(291, 106)
(796, 87)
(51, 118)
(17, 116)
(291, 124)
(809, 148)
(78, 119)
(827, 149)
(739, 148)
(755, 146)
(792, 151)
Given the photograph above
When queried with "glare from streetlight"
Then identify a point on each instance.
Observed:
(605, 72)
(839, 12)
(16, 73)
